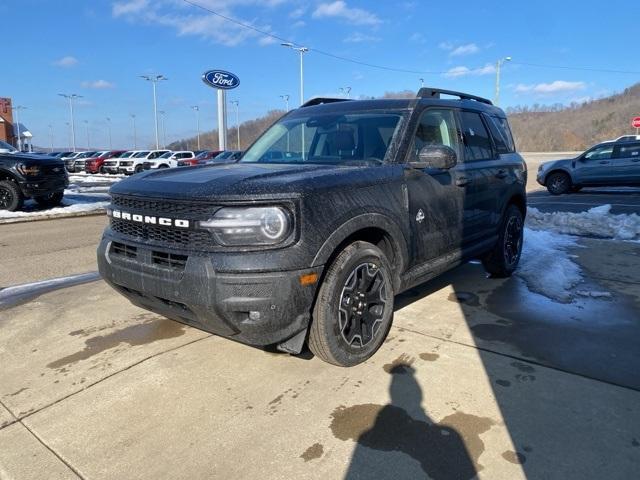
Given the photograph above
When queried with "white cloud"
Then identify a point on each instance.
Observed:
(187, 20)
(463, 71)
(459, 50)
(97, 84)
(298, 12)
(339, 9)
(66, 62)
(358, 37)
(417, 38)
(299, 24)
(558, 86)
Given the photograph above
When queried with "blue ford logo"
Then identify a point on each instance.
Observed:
(221, 79)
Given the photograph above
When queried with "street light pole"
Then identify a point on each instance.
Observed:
(71, 97)
(154, 79)
(421, 82)
(109, 127)
(499, 64)
(346, 91)
(286, 101)
(68, 133)
(86, 124)
(135, 134)
(17, 109)
(236, 103)
(164, 131)
(196, 108)
(301, 51)
(50, 138)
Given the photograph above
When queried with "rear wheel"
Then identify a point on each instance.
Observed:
(502, 261)
(139, 168)
(11, 197)
(558, 183)
(50, 200)
(354, 308)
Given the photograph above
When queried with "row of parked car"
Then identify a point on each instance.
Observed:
(129, 162)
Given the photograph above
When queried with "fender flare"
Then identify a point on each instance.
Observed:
(361, 222)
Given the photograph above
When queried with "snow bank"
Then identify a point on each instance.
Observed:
(72, 204)
(597, 222)
(545, 265)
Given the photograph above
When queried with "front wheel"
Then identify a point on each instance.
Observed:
(502, 261)
(558, 183)
(354, 308)
(139, 168)
(10, 196)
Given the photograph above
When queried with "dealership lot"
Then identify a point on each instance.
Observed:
(477, 376)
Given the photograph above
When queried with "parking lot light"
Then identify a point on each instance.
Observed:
(17, 109)
(135, 133)
(196, 109)
(499, 64)
(286, 101)
(236, 103)
(86, 124)
(50, 138)
(71, 97)
(301, 51)
(154, 79)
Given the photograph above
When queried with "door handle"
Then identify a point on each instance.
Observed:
(462, 181)
(501, 174)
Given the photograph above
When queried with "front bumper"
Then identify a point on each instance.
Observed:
(253, 308)
(541, 178)
(35, 187)
(126, 170)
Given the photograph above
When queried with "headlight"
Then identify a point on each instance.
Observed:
(249, 226)
(28, 170)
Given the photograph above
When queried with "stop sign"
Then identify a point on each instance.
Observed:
(636, 122)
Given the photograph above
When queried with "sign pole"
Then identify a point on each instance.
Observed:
(222, 119)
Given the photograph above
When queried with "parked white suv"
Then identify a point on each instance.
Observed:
(170, 159)
(135, 163)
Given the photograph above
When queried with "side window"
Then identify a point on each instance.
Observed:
(501, 134)
(436, 127)
(600, 153)
(631, 150)
(477, 144)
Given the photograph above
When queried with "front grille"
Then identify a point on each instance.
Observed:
(197, 211)
(169, 260)
(126, 164)
(111, 163)
(123, 250)
(188, 239)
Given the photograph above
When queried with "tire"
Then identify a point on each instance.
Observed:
(139, 168)
(102, 171)
(558, 183)
(342, 332)
(51, 200)
(163, 166)
(503, 260)
(11, 197)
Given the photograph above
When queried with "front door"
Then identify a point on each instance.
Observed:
(595, 167)
(436, 201)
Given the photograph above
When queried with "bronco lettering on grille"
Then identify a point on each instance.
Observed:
(151, 220)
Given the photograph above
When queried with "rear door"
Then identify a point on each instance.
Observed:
(595, 167)
(436, 202)
(626, 163)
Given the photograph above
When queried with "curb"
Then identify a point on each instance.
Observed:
(55, 216)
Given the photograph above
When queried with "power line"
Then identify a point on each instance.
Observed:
(384, 67)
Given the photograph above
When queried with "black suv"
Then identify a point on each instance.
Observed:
(23, 176)
(336, 208)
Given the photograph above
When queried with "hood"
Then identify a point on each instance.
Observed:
(556, 163)
(36, 159)
(237, 180)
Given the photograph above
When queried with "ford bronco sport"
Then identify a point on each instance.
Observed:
(336, 208)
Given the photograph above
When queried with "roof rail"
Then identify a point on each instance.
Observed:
(430, 92)
(322, 100)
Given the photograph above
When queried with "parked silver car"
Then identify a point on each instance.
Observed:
(606, 164)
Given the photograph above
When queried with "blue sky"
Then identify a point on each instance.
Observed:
(99, 48)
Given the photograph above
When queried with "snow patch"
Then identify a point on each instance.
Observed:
(596, 222)
(545, 266)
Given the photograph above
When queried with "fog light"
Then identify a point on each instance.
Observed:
(254, 316)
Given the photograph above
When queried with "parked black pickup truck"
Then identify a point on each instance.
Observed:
(336, 208)
(25, 176)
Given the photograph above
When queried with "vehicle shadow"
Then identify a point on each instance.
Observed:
(403, 428)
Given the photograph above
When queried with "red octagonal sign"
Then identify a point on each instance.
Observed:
(636, 122)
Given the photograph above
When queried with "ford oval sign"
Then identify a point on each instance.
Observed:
(221, 79)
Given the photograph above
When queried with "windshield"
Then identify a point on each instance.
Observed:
(166, 155)
(85, 154)
(141, 154)
(6, 146)
(203, 155)
(353, 139)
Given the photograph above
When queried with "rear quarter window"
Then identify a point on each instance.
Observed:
(501, 134)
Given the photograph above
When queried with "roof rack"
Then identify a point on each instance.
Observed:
(322, 100)
(429, 92)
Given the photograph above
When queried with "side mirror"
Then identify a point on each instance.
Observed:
(440, 157)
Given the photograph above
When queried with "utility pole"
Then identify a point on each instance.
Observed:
(71, 97)
(196, 108)
(499, 64)
(154, 79)
(135, 133)
(69, 133)
(164, 131)
(86, 124)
